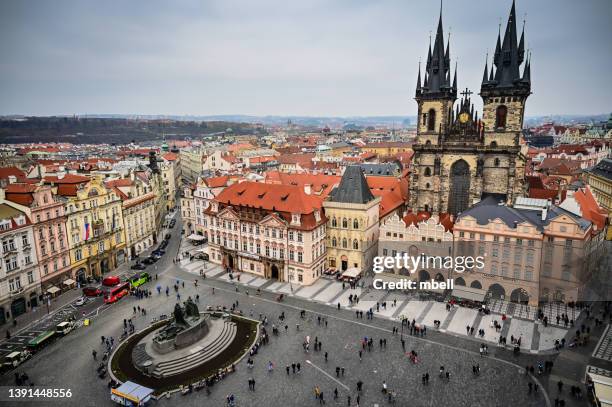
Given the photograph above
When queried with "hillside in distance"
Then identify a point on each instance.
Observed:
(110, 130)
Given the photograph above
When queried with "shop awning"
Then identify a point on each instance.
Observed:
(52, 290)
(195, 236)
(130, 393)
(352, 272)
(69, 282)
(602, 384)
(469, 293)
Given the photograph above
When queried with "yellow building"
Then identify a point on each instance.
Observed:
(95, 228)
(352, 231)
(170, 178)
(600, 180)
(387, 148)
(138, 207)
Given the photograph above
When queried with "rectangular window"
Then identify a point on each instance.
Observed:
(100, 247)
(281, 253)
(258, 248)
(300, 258)
(78, 254)
(291, 235)
(10, 263)
(267, 251)
(30, 277)
(24, 240)
(291, 255)
(299, 236)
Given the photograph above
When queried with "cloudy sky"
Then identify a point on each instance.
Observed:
(308, 57)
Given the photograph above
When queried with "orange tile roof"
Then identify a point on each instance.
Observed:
(20, 193)
(170, 156)
(283, 198)
(217, 182)
(321, 184)
(590, 208)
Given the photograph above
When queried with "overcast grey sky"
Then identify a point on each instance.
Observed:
(307, 57)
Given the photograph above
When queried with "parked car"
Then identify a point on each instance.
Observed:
(168, 236)
(92, 291)
(138, 266)
(111, 281)
(150, 260)
(80, 301)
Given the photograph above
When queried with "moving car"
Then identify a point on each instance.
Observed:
(92, 291)
(111, 281)
(80, 301)
(138, 266)
(139, 279)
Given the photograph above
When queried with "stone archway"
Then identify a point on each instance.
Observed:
(460, 281)
(476, 284)
(424, 275)
(439, 277)
(230, 261)
(520, 296)
(404, 271)
(497, 291)
(274, 274)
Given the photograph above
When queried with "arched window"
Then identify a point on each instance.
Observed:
(344, 223)
(334, 222)
(428, 143)
(427, 172)
(344, 243)
(500, 116)
(496, 162)
(427, 186)
(355, 224)
(431, 120)
(355, 244)
(334, 242)
(494, 144)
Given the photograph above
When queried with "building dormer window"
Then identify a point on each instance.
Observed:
(295, 219)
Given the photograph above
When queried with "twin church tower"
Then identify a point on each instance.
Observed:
(460, 158)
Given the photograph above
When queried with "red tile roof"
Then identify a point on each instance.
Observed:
(6, 172)
(320, 184)
(542, 193)
(20, 193)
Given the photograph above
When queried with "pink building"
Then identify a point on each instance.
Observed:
(50, 237)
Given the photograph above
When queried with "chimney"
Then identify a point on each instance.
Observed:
(307, 189)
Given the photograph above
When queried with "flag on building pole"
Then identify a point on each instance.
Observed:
(86, 234)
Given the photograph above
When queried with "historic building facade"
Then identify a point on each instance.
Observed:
(600, 180)
(19, 278)
(46, 212)
(138, 210)
(459, 158)
(95, 225)
(272, 231)
(533, 251)
(353, 227)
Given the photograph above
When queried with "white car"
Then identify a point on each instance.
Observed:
(81, 301)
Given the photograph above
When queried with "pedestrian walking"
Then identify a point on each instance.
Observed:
(94, 354)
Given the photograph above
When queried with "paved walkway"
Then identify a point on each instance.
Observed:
(519, 323)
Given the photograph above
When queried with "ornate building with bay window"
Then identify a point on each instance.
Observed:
(271, 231)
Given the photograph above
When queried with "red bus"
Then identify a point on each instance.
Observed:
(117, 292)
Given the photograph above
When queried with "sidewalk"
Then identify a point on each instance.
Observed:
(30, 318)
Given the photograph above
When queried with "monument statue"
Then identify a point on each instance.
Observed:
(191, 309)
(179, 317)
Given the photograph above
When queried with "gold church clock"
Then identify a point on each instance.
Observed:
(464, 117)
